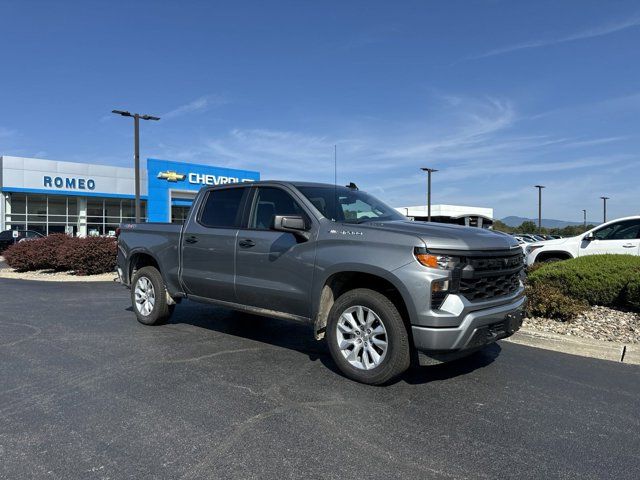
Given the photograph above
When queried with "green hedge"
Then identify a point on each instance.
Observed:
(606, 280)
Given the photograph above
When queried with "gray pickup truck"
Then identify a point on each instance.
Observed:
(384, 291)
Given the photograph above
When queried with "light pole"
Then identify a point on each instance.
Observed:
(429, 172)
(539, 187)
(604, 204)
(584, 216)
(136, 151)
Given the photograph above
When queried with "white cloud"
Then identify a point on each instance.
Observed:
(485, 156)
(598, 31)
(200, 104)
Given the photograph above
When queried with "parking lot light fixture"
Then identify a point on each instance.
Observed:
(604, 205)
(539, 187)
(136, 151)
(429, 172)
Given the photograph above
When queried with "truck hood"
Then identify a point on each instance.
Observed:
(447, 237)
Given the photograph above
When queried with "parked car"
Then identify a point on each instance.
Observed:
(620, 236)
(528, 238)
(383, 290)
(522, 242)
(535, 237)
(7, 238)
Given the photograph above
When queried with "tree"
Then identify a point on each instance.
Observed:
(527, 227)
(502, 227)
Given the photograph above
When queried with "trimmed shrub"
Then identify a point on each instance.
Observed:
(84, 256)
(89, 256)
(39, 254)
(544, 300)
(632, 293)
(596, 279)
(22, 257)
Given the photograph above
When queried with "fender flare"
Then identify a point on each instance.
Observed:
(319, 284)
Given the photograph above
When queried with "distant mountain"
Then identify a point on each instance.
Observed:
(546, 222)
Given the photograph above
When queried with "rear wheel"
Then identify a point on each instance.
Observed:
(149, 297)
(367, 337)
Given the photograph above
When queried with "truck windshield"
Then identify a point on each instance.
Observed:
(342, 204)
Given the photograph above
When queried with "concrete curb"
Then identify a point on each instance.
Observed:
(584, 347)
(38, 277)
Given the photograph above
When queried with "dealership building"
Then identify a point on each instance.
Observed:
(87, 199)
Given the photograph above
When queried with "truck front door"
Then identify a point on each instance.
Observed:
(209, 243)
(274, 270)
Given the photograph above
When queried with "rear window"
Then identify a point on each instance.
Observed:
(222, 208)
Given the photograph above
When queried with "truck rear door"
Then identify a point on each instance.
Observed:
(209, 243)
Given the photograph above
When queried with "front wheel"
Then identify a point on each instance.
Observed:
(149, 297)
(367, 337)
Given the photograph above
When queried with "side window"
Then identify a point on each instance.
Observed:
(270, 202)
(222, 208)
(627, 230)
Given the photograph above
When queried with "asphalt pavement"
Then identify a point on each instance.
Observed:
(87, 392)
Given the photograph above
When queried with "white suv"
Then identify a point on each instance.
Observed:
(617, 236)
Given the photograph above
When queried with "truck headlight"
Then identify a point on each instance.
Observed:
(442, 262)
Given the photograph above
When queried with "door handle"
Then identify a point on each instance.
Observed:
(628, 245)
(247, 243)
(191, 239)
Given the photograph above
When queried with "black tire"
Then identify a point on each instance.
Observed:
(161, 311)
(397, 355)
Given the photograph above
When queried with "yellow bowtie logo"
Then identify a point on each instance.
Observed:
(171, 176)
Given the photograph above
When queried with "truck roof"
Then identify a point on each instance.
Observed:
(290, 182)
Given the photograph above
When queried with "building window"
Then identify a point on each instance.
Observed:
(49, 214)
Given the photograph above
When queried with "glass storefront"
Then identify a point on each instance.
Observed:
(104, 215)
(179, 213)
(65, 214)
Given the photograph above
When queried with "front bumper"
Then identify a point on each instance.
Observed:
(477, 329)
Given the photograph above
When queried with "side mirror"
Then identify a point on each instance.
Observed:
(588, 237)
(291, 223)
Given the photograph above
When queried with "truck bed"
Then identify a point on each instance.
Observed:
(161, 240)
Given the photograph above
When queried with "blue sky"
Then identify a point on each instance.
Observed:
(498, 95)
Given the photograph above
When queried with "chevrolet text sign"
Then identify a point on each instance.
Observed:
(202, 179)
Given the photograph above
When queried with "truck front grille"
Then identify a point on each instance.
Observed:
(484, 288)
(484, 275)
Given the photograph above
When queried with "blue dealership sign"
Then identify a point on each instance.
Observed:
(173, 183)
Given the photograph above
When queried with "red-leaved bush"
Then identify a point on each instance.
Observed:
(89, 256)
(84, 256)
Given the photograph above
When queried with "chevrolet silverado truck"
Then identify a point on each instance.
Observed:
(384, 291)
(620, 236)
